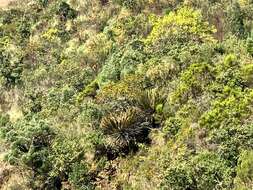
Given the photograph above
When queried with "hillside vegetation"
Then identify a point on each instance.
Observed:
(126, 95)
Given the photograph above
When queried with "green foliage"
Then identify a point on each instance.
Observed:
(44, 3)
(247, 74)
(65, 11)
(135, 5)
(30, 142)
(123, 62)
(68, 158)
(11, 64)
(79, 177)
(34, 145)
(224, 111)
(127, 27)
(244, 170)
(91, 114)
(192, 82)
(172, 126)
(204, 171)
(182, 26)
(90, 90)
(250, 44)
(231, 139)
(133, 94)
(151, 100)
(4, 119)
(235, 19)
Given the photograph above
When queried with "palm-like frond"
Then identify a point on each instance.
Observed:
(124, 128)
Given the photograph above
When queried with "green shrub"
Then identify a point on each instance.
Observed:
(89, 91)
(136, 5)
(65, 11)
(250, 44)
(90, 114)
(235, 19)
(244, 171)
(123, 62)
(30, 142)
(4, 120)
(246, 72)
(193, 82)
(79, 177)
(68, 161)
(151, 101)
(206, 171)
(11, 63)
(5, 125)
(44, 3)
(179, 27)
(234, 106)
(178, 178)
(230, 139)
(172, 126)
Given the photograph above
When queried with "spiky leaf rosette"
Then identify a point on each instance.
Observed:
(125, 128)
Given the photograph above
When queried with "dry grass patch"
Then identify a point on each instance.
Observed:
(4, 3)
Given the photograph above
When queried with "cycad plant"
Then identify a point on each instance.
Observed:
(126, 128)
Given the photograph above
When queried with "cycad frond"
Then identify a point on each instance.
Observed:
(124, 128)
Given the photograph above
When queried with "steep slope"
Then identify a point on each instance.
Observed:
(133, 94)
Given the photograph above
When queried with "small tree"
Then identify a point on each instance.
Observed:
(235, 19)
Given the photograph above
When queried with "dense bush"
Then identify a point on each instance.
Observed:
(30, 142)
(204, 171)
(244, 176)
(127, 94)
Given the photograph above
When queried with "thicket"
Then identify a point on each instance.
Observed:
(133, 94)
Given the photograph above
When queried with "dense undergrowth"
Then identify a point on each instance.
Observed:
(127, 94)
